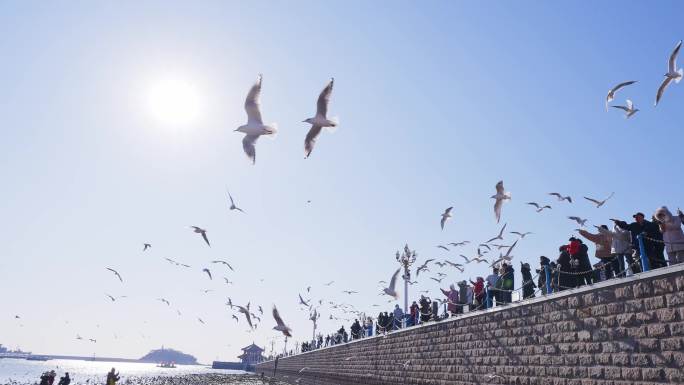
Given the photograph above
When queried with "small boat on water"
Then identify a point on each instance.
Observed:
(169, 365)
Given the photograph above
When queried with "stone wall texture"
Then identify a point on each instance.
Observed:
(628, 331)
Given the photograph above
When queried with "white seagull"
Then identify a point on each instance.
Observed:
(199, 230)
(501, 196)
(280, 325)
(629, 109)
(320, 120)
(500, 236)
(232, 203)
(672, 73)
(579, 220)
(561, 198)
(521, 235)
(255, 127)
(612, 91)
(597, 202)
(390, 290)
(538, 206)
(445, 216)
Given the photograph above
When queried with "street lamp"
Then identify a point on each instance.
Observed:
(406, 260)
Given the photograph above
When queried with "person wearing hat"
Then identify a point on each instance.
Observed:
(478, 292)
(452, 297)
(579, 260)
(673, 236)
(541, 271)
(602, 240)
(528, 284)
(652, 232)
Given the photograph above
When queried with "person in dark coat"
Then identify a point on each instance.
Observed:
(66, 380)
(506, 283)
(355, 329)
(528, 283)
(565, 279)
(654, 248)
(425, 310)
(581, 266)
(541, 280)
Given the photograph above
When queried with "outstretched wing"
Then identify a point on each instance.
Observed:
(672, 64)
(500, 187)
(624, 84)
(310, 139)
(393, 280)
(666, 82)
(248, 143)
(276, 317)
(252, 103)
(324, 99)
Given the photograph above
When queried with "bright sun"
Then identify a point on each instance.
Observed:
(173, 101)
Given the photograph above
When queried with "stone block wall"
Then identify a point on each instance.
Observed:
(619, 332)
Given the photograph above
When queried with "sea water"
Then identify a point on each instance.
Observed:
(82, 372)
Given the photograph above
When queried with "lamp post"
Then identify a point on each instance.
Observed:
(406, 259)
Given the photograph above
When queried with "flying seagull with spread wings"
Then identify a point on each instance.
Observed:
(521, 235)
(165, 301)
(538, 206)
(280, 325)
(255, 126)
(612, 91)
(202, 231)
(561, 198)
(501, 196)
(391, 288)
(320, 120)
(445, 216)
(115, 273)
(208, 272)
(597, 202)
(245, 311)
(302, 302)
(500, 236)
(579, 220)
(628, 108)
(224, 263)
(672, 73)
(232, 203)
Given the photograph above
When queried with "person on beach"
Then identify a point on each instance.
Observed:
(112, 377)
(64, 380)
(528, 283)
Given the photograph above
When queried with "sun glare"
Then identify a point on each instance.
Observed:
(173, 101)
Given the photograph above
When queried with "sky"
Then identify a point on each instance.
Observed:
(437, 102)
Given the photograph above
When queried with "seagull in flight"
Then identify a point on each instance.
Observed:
(500, 236)
(579, 220)
(110, 297)
(597, 202)
(457, 244)
(391, 288)
(235, 318)
(501, 196)
(228, 282)
(350, 292)
(245, 311)
(208, 272)
(255, 126)
(539, 207)
(202, 231)
(92, 340)
(440, 264)
(223, 262)
(146, 246)
(672, 73)
(302, 302)
(445, 216)
(423, 266)
(443, 247)
(329, 283)
(320, 120)
(521, 235)
(200, 320)
(165, 301)
(232, 204)
(280, 325)
(561, 198)
(628, 108)
(612, 91)
(435, 279)
(115, 273)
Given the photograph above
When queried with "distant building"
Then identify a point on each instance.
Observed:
(251, 355)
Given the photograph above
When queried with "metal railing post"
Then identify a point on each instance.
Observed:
(644, 257)
(488, 300)
(547, 272)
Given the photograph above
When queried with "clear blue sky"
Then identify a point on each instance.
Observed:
(437, 102)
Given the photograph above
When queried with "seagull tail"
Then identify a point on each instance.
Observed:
(334, 122)
(508, 195)
(273, 127)
(681, 75)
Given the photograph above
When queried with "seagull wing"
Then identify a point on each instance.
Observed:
(276, 317)
(666, 82)
(204, 235)
(672, 64)
(592, 200)
(623, 84)
(232, 203)
(393, 280)
(626, 109)
(535, 204)
(252, 103)
(310, 139)
(497, 209)
(324, 99)
(248, 143)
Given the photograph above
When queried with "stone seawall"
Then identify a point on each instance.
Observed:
(619, 332)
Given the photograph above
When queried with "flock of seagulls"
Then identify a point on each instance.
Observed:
(255, 126)
(673, 74)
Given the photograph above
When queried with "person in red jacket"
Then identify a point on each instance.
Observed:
(479, 292)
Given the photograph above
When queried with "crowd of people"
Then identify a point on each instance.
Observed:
(48, 378)
(621, 250)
